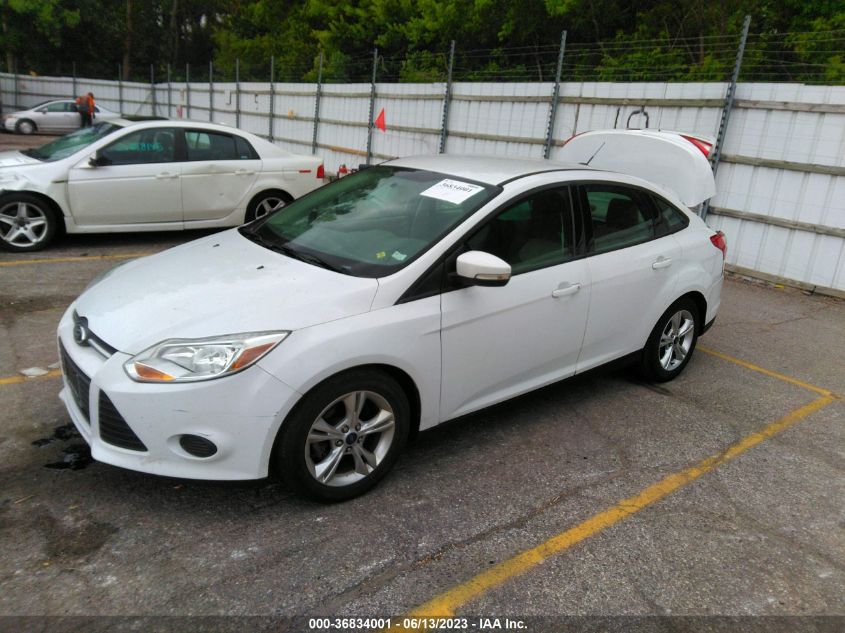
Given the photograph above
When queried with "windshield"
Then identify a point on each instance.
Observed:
(371, 223)
(72, 143)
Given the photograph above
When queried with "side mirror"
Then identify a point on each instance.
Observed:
(98, 160)
(477, 268)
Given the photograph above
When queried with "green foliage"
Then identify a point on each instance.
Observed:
(683, 40)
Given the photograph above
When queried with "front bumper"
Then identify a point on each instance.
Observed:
(9, 124)
(240, 414)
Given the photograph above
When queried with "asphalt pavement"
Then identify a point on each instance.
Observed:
(718, 494)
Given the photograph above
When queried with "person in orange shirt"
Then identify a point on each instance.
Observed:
(85, 107)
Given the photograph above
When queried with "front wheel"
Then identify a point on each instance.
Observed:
(25, 127)
(671, 343)
(344, 436)
(27, 223)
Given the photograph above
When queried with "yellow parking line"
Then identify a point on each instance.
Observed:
(447, 603)
(13, 380)
(63, 260)
(767, 372)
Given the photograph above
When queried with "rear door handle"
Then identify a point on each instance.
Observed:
(166, 175)
(563, 291)
(662, 262)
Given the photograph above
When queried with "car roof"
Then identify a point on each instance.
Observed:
(487, 169)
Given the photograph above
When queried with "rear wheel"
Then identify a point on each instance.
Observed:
(25, 126)
(27, 223)
(266, 203)
(671, 343)
(344, 436)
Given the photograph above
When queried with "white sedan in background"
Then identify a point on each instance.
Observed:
(58, 116)
(146, 176)
(316, 341)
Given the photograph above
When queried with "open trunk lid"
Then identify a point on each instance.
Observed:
(673, 160)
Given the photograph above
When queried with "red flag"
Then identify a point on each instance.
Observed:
(380, 121)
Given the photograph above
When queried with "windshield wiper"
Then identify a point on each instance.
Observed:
(256, 236)
(308, 258)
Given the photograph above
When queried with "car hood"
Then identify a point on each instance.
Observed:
(16, 159)
(217, 285)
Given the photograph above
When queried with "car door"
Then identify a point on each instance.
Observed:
(136, 182)
(54, 117)
(219, 171)
(498, 342)
(631, 268)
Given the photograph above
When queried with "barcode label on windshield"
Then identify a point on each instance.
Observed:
(453, 191)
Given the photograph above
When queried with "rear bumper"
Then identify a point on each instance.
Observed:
(240, 414)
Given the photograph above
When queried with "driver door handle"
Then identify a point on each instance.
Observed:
(166, 175)
(244, 172)
(564, 290)
(662, 262)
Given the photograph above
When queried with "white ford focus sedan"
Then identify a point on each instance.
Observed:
(145, 176)
(315, 341)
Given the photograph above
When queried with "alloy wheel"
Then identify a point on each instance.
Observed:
(350, 438)
(22, 224)
(676, 340)
(268, 205)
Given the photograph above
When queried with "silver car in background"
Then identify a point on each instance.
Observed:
(58, 116)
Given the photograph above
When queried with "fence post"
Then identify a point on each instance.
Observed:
(169, 94)
(15, 68)
(187, 91)
(120, 88)
(372, 108)
(317, 104)
(726, 109)
(211, 91)
(272, 94)
(73, 70)
(153, 87)
(237, 93)
(550, 130)
(447, 101)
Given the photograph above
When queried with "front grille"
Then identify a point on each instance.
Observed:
(113, 428)
(78, 383)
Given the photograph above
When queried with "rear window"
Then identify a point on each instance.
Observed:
(209, 145)
(669, 218)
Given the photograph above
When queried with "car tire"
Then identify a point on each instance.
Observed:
(265, 203)
(671, 343)
(27, 223)
(25, 126)
(344, 436)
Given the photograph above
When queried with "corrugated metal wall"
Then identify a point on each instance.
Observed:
(781, 183)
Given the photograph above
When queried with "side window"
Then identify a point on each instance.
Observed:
(61, 106)
(536, 232)
(208, 145)
(669, 219)
(619, 217)
(142, 147)
(244, 149)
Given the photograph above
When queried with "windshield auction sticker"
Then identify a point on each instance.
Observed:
(451, 191)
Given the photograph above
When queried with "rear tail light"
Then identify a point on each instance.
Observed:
(703, 146)
(720, 242)
(321, 172)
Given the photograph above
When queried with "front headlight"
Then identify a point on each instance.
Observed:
(191, 360)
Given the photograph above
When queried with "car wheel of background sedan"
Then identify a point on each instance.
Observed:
(671, 342)
(25, 127)
(26, 223)
(344, 436)
(265, 203)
